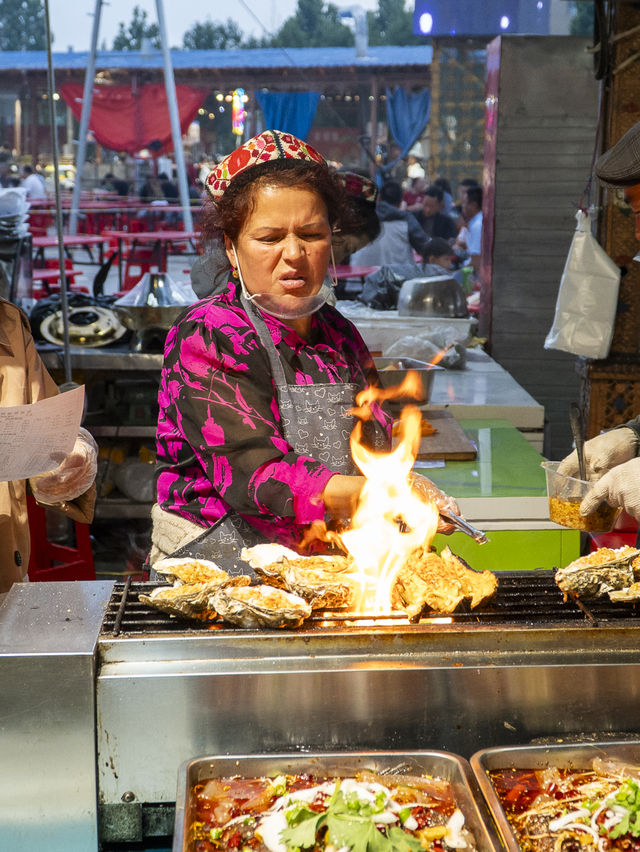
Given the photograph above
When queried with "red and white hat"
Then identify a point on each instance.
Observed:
(266, 146)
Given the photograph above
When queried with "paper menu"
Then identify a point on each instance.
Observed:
(36, 438)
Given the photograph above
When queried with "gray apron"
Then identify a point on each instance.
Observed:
(315, 421)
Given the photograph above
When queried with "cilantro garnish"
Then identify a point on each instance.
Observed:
(349, 822)
(628, 797)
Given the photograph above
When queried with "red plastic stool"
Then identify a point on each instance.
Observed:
(50, 561)
(139, 261)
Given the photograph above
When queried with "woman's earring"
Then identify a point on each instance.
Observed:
(234, 272)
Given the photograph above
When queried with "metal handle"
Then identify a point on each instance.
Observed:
(465, 527)
(575, 417)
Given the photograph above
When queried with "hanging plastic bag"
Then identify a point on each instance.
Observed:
(587, 298)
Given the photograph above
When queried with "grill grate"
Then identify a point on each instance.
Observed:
(524, 598)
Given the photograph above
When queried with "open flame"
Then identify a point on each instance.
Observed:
(390, 519)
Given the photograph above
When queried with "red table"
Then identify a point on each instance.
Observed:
(361, 272)
(85, 241)
(160, 241)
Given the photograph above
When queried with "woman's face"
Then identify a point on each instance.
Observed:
(285, 243)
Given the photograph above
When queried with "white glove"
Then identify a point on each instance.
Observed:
(602, 453)
(428, 490)
(619, 487)
(72, 477)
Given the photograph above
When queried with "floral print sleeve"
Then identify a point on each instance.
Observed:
(220, 442)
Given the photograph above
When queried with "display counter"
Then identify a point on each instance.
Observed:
(484, 389)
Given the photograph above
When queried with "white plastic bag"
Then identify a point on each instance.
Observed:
(587, 298)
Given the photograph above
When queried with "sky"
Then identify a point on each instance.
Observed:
(73, 28)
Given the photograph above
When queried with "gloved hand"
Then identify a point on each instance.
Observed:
(602, 453)
(428, 490)
(72, 477)
(619, 487)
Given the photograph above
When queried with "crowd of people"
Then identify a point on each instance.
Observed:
(423, 231)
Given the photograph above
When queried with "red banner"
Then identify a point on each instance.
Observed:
(126, 120)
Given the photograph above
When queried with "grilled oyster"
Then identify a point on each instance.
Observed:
(603, 571)
(192, 601)
(628, 595)
(261, 555)
(323, 582)
(439, 583)
(189, 571)
(260, 606)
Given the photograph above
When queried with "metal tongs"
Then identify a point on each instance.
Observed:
(465, 527)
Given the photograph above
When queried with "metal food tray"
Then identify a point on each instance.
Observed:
(393, 370)
(440, 764)
(573, 756)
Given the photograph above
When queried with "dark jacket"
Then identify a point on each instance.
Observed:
(442, 225)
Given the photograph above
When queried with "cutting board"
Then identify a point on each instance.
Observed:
(449, 442)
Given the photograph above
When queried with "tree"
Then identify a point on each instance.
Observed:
(212, 36)
(314, 24)
(391, 23)
(22, 25)
(131, 38)
(581, 23)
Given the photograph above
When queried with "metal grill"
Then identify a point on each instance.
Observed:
(525, 598)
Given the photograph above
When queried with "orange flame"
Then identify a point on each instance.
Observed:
(390, 519)
(440, 355)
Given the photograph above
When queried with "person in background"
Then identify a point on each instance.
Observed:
(445, 186)
(412, 197)
(438, 257)
(415, 169)
(434, 222)
(33, 183)
(400, 233)
(5, 174)
(70, 487)
(469, 241)
(113, 184)
(169, 188)
(461, 190)
(151, 191)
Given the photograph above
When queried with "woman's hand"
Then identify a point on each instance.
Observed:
(341, 495)
(602, 453)
(427, 490)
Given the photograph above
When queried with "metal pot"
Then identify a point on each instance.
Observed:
(436, 296)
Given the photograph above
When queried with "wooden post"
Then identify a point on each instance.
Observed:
(433, 165)
(373, 120)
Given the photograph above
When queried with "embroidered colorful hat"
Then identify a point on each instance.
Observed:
(358, 186)
(266, 146)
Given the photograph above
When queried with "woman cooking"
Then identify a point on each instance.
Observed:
(258, 380)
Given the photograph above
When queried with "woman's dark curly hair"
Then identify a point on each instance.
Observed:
(228, 214)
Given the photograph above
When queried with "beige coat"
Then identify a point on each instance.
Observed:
(23, 379)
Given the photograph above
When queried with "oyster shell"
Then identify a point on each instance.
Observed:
(323, 582)
(629, 595)
(260, 606)
(440, 583)
(603, 571)
(188, 570)
(192, 601)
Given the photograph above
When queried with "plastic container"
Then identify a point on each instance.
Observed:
(565, 494)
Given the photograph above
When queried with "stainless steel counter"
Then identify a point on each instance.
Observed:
(48, 771)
